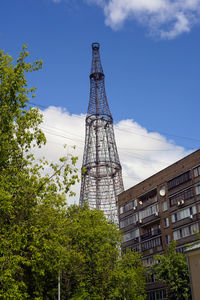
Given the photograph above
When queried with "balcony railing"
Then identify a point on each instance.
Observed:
(150, 234)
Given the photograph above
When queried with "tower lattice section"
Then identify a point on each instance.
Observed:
(101, 168)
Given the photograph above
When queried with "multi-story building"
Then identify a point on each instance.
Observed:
(162, 208)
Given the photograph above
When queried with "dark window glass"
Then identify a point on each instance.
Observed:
(179, 180)
(151, 243)
(166, 222)
(157, 295)
(187, 194)
(197, 171)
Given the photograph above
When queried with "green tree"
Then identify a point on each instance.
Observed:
(172, 269)
(98, 270)
(40, 237)
(32, 207)
(130, 275)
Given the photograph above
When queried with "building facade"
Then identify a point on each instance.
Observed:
(162, 208)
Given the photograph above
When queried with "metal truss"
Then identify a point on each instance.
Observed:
(101, 169)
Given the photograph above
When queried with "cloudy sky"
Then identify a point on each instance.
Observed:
(150, 52)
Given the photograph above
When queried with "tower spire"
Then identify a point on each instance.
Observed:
(98, 104)
(102, 177)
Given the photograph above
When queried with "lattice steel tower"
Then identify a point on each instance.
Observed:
(102, 176)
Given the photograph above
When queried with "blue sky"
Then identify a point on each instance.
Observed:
(150, 53)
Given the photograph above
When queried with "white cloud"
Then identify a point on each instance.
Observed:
(142, 153)
(61, 129)
(165, 18)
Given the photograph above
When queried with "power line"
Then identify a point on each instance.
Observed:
(58, 129)
(132, 132)
(62, 136)
(132, 149)
(169, 134)
(133, 155)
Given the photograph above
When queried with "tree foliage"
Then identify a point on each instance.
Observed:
(32, 207)
(172, 269)
(40, 237)
(130, 277)
(102, 272)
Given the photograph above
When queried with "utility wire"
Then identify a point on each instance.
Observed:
(132, 155)
(79, 136)
(62, 136)
(157, 139)
(132, 132)
(46, 126)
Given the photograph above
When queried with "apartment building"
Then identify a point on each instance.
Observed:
(162, 208)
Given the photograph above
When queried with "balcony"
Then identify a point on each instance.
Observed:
(151, 246)
(148, 199)
(148, 220)
(135, 240)
(185, 221)
(181, 179)
(148, 235)
(130, 243)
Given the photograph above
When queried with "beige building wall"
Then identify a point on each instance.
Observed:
(193, 255)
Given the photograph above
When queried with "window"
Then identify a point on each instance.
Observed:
(130, 235)
(185, 231)
(128, 206)
(150, 196)
(134, 202)
(149, 211)
(150, 232)
(177, 198)
(150, 278)
(149, 261)
(121, 210)
(196, 171)
(166, 222)
(151, 243)
(179, 180)
(176, 235)
(181, 249)
(184, 213)
(157, 295)
(197, 189)
(164, 206)
(130, 220)
(167, 239)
